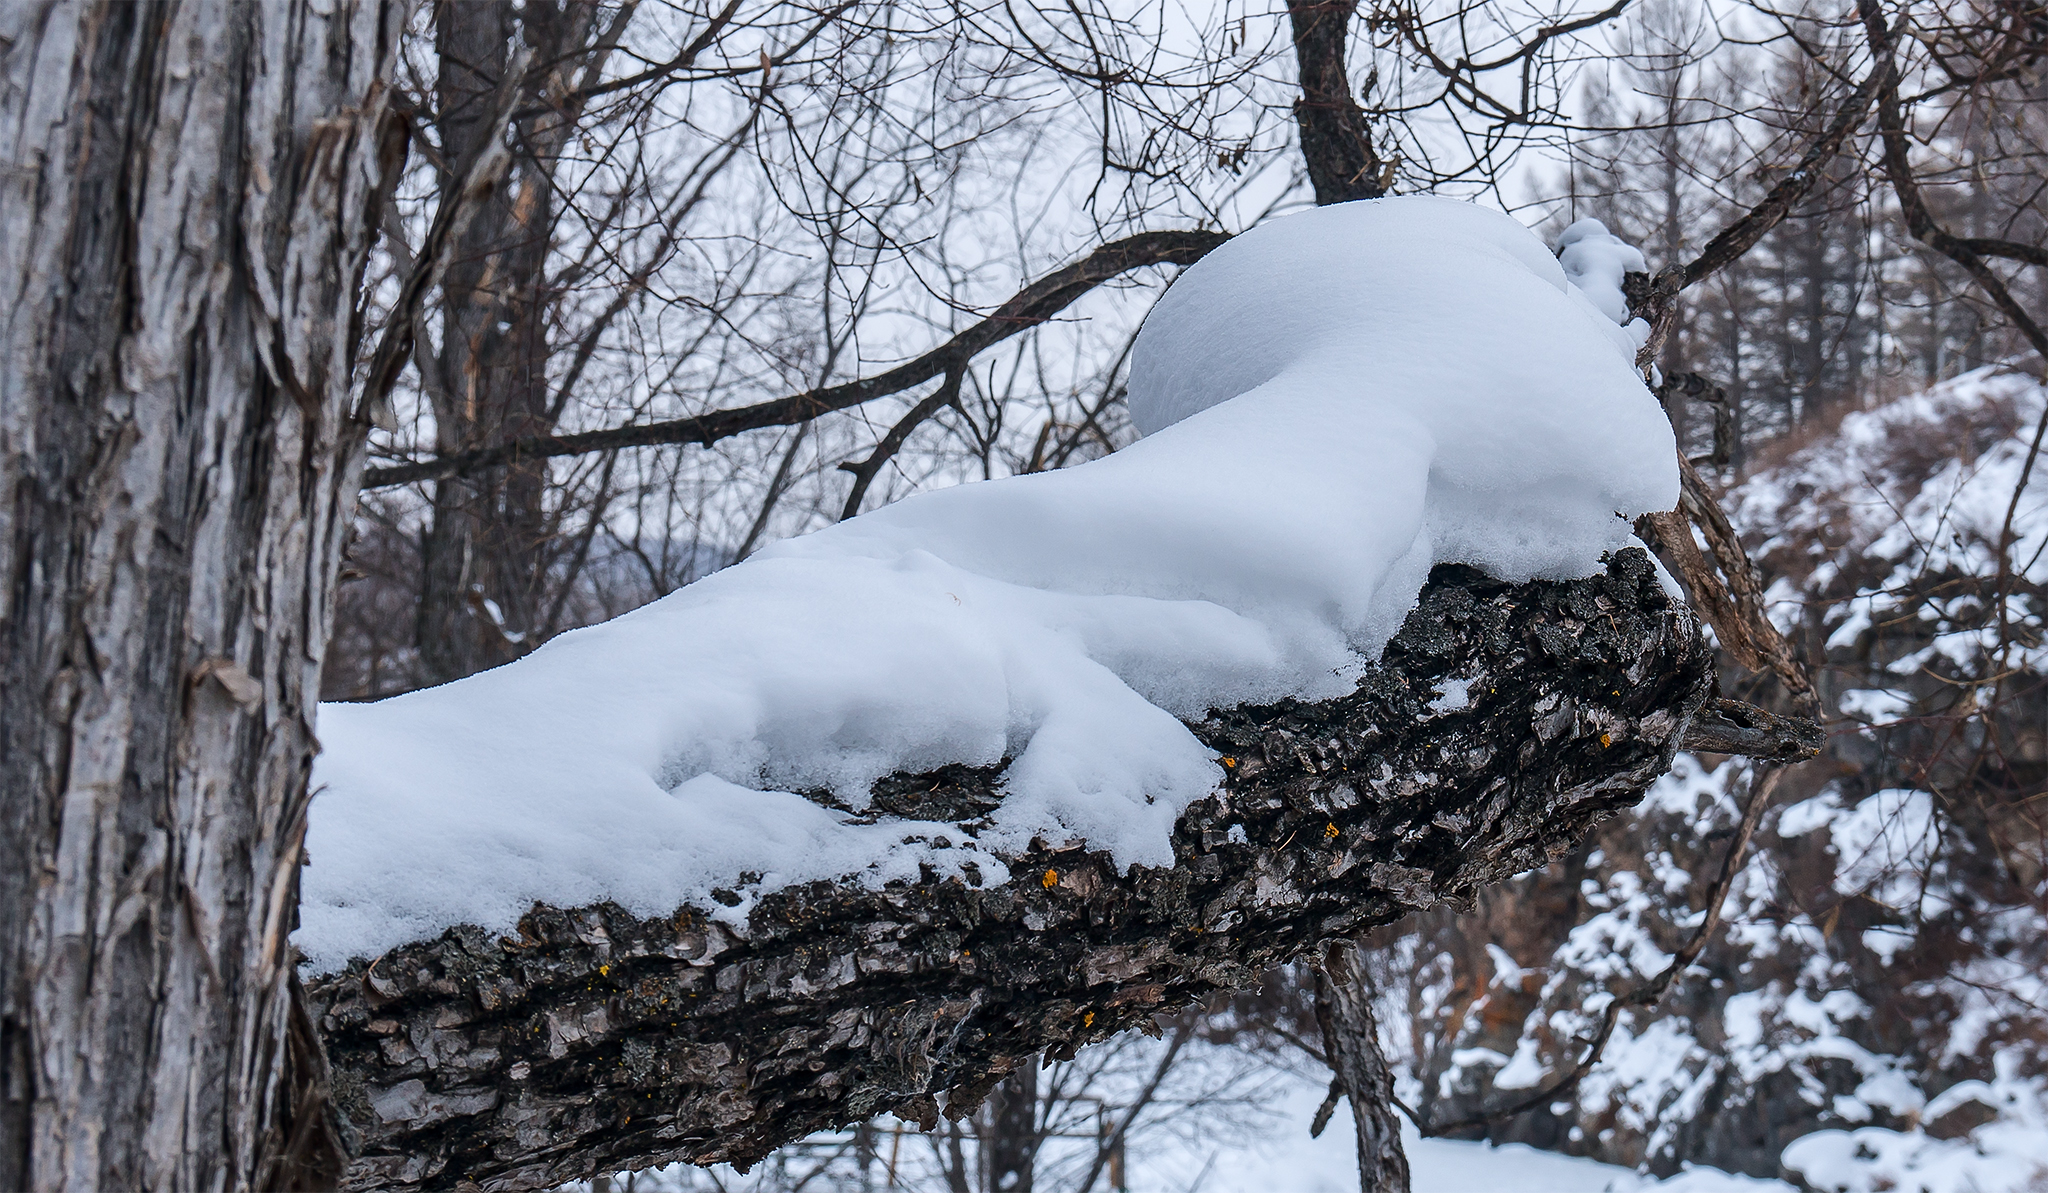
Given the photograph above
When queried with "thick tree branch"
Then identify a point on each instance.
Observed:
(1031, 306)
(596, 1040)
(1734, 727)
(2032, 254)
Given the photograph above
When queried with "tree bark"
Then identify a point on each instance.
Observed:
(1336, 140)
(488, 536)
(188, 194)
(1013, 1130)
(598, 1040)
(1351, 1044)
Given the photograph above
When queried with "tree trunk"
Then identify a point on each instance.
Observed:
(483, 555)
(1336, 140)
(597, 1040)
(1351, 1043)
(187, 199)
(1013, 1130)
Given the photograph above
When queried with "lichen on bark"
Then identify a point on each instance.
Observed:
(1500, 724)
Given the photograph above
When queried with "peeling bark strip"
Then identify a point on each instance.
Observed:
(187, 201)
(598, 1041)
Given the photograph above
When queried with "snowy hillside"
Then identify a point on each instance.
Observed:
(1875, 1014)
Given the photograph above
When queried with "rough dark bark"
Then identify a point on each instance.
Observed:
(598, 1040)
(187, 201)
(1351, 1045)
(1336, 140)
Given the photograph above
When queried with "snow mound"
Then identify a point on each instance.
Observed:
(1335, 402)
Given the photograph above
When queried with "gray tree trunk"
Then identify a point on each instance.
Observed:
(596, 1040)
(187, 193)
(1351, 1044)
(1013, 1141)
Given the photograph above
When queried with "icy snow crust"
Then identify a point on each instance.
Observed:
(1333, 403)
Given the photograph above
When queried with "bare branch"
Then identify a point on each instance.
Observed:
(2032, 254)
(1031, 306)
(1742, 235)
(948, 394)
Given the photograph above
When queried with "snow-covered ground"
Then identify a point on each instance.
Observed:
(1291, 1162)
(1271, 1152)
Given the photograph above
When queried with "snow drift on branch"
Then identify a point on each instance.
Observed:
(1337, 401)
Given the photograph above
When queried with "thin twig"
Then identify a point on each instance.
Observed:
(480, 175)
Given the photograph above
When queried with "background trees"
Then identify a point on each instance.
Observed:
(1066, 128)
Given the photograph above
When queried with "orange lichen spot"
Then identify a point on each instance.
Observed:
(1088, 1020)
(1329, 832)
(1051, 879)
(1606, 740)
(1228, 762)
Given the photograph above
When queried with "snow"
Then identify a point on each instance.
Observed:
(2009, 1152)
(1596, 260)
(1329, 1164)
(1335, 401)
(1923, 483)
(1875, 706)
(1268, 1151)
